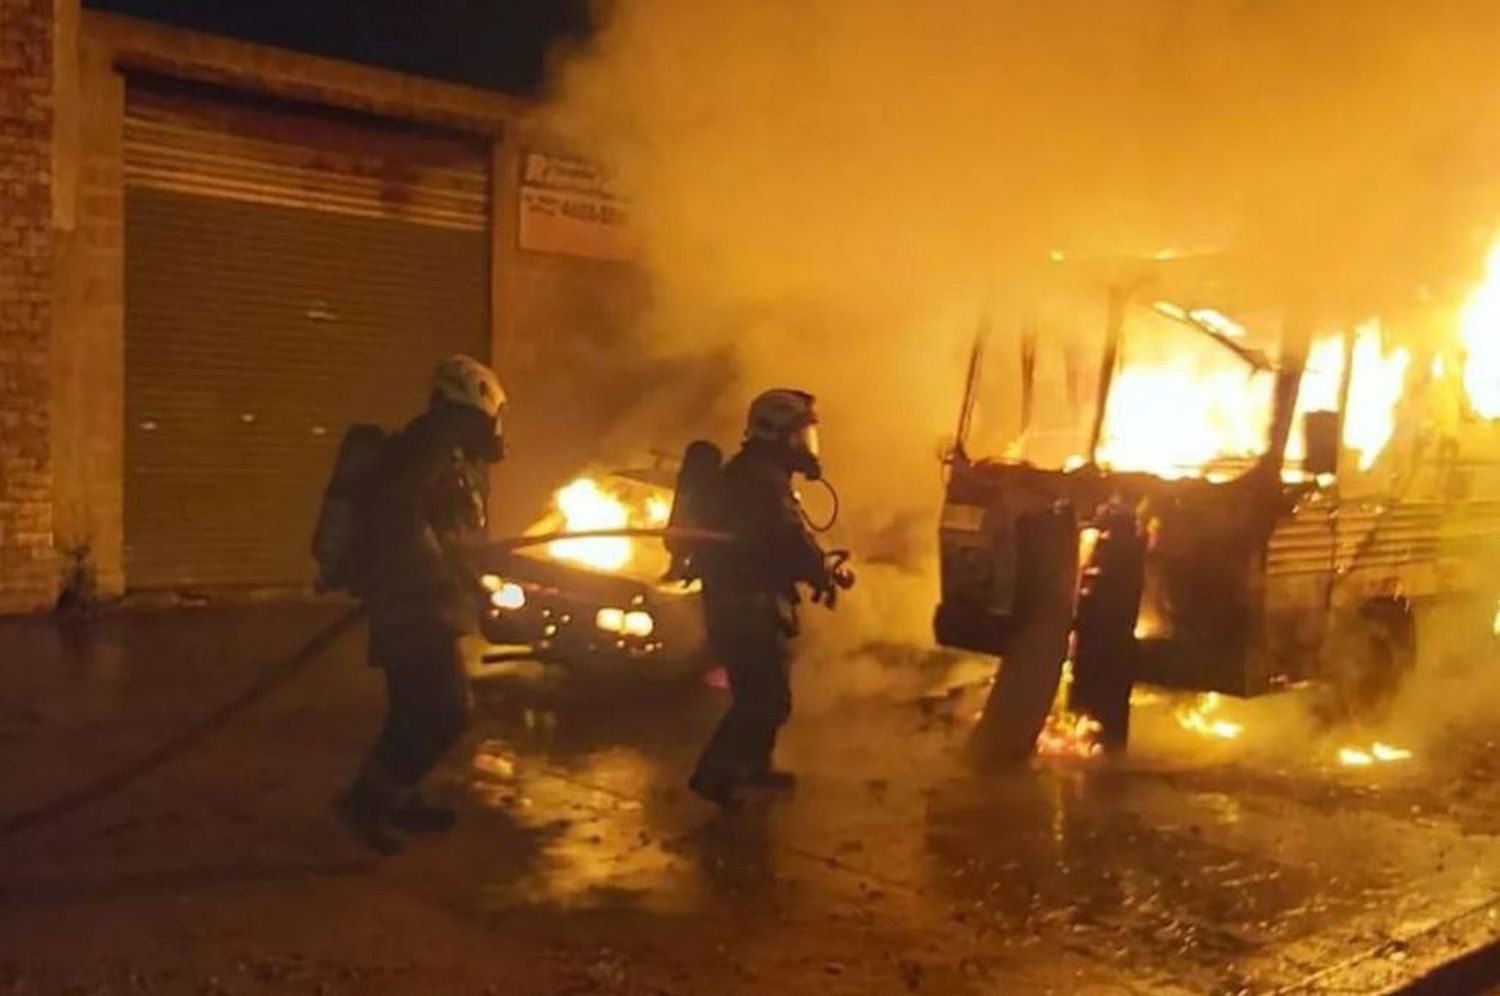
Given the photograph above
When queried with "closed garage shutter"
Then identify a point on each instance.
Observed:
(288, 274)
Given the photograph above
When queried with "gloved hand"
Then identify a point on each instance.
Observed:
(825, 592)
(836, 577)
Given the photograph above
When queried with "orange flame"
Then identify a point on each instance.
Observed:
(1378, 382)
(1479, 328)
(1201, 719)
(1070, 735)
(1378, 753)
(585, 504)
(1376, 386)
(1177, 418)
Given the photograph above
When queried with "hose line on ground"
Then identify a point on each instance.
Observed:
(283, 669)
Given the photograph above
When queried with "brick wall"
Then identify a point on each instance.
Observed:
(88, 353)
(28, 567)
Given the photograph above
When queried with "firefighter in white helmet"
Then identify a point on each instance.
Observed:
(431, 496)
(750, 590)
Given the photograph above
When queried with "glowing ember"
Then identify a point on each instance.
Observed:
(1479, 326)
(1070, 735)
(1200, 719)
(1378, 753)
(586, 505)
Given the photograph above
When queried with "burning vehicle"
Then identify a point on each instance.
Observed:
(597, 602)
(1230, 501)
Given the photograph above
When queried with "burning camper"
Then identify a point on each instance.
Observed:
(1230, 501)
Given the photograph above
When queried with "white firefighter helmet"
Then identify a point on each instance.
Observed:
(463, 380)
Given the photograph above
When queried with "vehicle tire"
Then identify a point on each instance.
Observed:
(1367, 656)
(1031, 666)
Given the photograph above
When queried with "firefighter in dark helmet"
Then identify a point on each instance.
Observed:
(430, 498)
(750, 591)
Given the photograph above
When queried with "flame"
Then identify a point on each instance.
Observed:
(1178, 415)
(585, 504)
(1173, 419)
(1374, 389)
(1479, 328)
(1354, 757)
(1070, 735)
(1385, 752)
(1200, 719)
(1378, 753)
(1378, 382)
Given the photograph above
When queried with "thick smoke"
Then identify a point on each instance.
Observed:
(829, 192)
(832, 190)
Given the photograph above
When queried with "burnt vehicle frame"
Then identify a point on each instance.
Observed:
(1244, 585)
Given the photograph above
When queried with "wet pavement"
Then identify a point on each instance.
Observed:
(1200, 865)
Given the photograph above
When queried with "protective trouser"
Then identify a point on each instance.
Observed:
(749, 638)
(427, 710)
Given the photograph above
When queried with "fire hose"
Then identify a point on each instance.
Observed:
(278, 673)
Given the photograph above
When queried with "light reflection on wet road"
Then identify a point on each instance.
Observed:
(1198, 865)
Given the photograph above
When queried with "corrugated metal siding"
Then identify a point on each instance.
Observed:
(257, 329)
(319, 162)
(1418, 547)
(190, 159)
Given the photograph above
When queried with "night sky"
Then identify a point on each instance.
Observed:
(495, 44)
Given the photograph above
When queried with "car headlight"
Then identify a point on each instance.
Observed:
(504, 594)
(625, 622)
(638, 622)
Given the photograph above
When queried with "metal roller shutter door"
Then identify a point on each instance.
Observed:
(285, 278)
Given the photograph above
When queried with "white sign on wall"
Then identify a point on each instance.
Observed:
(569, 207)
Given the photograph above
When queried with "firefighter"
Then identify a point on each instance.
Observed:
(429, 498)
(750, 591)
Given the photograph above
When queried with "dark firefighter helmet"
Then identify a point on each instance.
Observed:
(788, 419)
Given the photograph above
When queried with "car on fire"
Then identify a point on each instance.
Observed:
(596, 604)
(1228, 500)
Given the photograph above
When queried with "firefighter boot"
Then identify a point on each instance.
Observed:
(414, 814)
(365, 809)
(715, 786)
(772, 780)
(367, 822)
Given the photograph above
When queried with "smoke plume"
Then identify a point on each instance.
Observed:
(830, 192)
